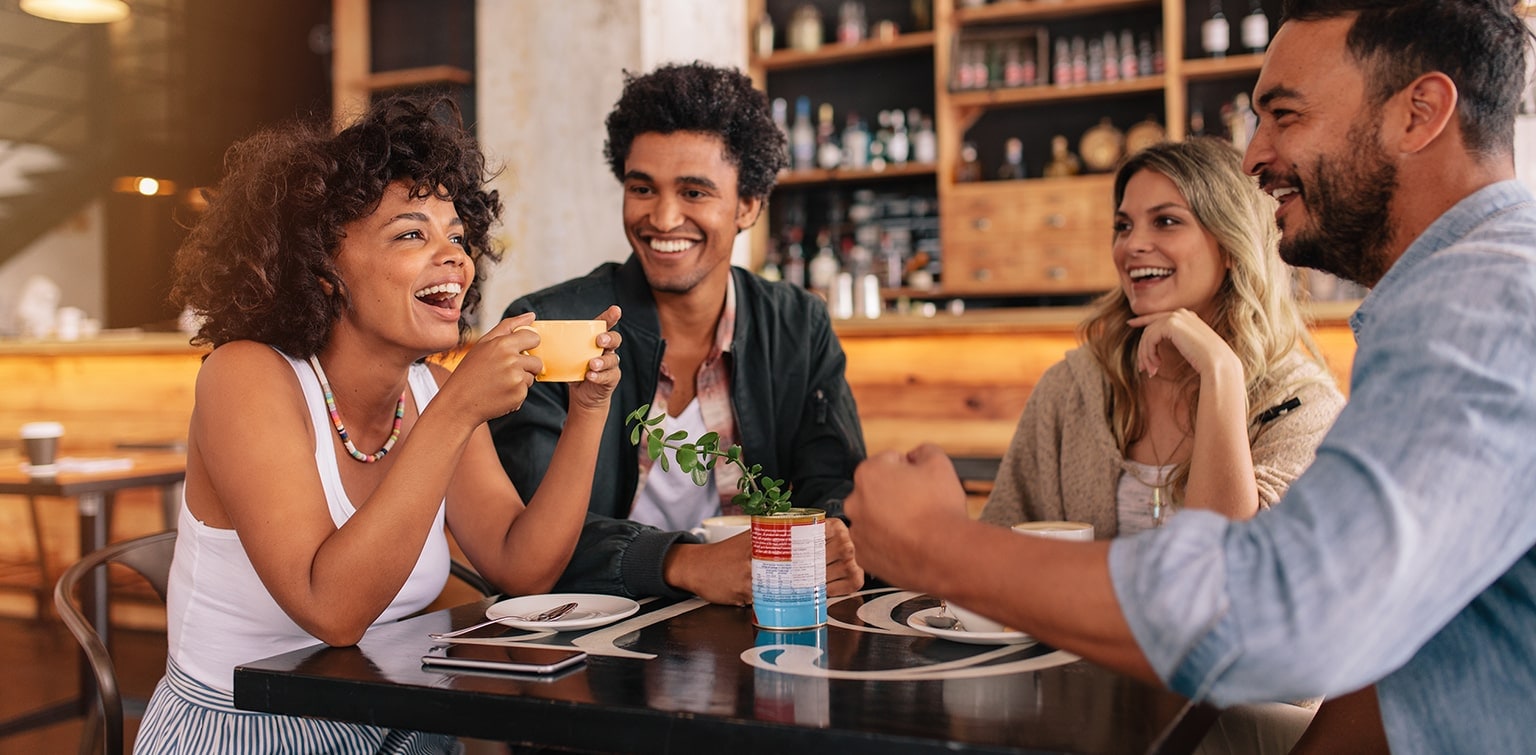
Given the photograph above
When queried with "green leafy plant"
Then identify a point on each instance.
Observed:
(759, 494)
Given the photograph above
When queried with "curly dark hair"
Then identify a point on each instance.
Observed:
(704, 99)
(260, 264)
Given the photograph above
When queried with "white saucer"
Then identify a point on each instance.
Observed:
(916, 621)
(591, 610)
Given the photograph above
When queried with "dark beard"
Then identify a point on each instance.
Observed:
(1351, 209)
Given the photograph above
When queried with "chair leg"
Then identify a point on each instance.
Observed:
(44, 582)
(90, 730)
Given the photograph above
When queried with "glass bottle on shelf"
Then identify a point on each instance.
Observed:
(900, 148)
(805, 29)
(1094, 61)
(892, 263)
(794, 258)
(771, 271)
(1128, 64)
(1196, 119)
(1111, 61)
(922, 15)
(850, 22)
(1061, 65)
(781, 119)
(1079, 60)
(828, 154)
(969, 169)
(1012, 168)
(824, 267)
(762, 36)
(802, 136)
(1243, 121)
(878, 159)
(1255, 28)
(1144, 55)
(925, 143)
(1215, 32)
(855, 143)
(1013, 66)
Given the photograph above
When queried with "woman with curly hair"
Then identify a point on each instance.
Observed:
(1206, 386)
(325, 457)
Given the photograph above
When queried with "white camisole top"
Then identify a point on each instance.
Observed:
(218, 613)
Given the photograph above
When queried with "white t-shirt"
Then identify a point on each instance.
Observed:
(670, 500)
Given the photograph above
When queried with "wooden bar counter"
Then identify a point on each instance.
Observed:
(961, 380)
(121, 389)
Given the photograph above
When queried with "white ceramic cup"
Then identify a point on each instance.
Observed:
(1080, 531)
(717, 528)
(41, 439)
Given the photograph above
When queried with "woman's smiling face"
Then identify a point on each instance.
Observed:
(406, 271)
(1165, 258)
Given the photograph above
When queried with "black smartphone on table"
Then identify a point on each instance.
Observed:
(511, 659)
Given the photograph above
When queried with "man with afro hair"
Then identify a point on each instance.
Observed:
(719, 348)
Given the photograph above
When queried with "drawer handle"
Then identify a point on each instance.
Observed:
(1056, 220)
(981, 224)
(982, 274)
(1056, 272)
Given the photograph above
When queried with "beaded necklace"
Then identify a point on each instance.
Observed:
(330, 404)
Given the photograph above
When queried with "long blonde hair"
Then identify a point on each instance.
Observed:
(1255, 310)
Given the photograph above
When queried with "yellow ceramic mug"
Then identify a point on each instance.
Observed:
(566, 346)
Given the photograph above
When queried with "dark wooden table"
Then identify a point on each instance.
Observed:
(690, 677)
(93, 493)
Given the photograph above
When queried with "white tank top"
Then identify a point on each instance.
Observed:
(218, 613)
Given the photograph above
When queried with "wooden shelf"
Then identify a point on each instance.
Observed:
(1204, 69)
(1044, 10)
(783, 60)
(415, 77)
(1037, 95)
(842, 175)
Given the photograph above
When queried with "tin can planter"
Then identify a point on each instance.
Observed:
(789, 569)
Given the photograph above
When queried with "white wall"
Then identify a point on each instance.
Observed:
(546, 76)
(72, 256)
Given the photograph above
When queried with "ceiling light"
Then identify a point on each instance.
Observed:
(77, 11)
(147, 186)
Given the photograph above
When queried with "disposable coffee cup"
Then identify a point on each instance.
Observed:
(567, 347)
(1080, 531)
(717, 528)
(41, 441)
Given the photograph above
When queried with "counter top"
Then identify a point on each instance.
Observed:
(110, 342)
(1034, 319)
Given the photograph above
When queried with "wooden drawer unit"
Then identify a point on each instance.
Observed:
(1030, 237)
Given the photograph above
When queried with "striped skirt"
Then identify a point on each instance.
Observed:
(187, 716)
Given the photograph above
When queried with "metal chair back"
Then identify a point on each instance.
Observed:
(150, 556)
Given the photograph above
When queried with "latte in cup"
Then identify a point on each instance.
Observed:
(717, 528)
(1080, 531)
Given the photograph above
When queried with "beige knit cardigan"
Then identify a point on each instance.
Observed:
(1063, 462)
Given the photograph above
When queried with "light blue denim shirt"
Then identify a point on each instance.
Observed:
(1404, 554)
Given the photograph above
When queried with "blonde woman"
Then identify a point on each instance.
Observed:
(1197, 385)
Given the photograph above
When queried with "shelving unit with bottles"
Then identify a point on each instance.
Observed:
(1034, 238)
(881, 199)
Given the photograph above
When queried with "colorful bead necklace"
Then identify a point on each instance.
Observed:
(330, 403)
